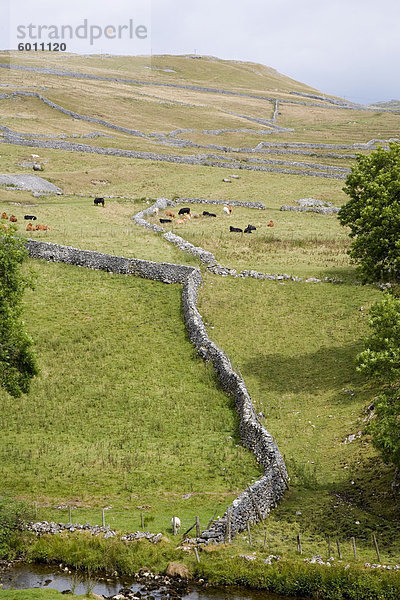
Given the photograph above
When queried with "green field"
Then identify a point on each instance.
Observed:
(124, 413)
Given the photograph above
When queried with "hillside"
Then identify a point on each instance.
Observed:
(391, 104)
(125, 413)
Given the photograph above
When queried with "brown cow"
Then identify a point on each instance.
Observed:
(169, 213)
(4, 215)
(180, 221)
(13, 219)
(270, 224)
(29, 227)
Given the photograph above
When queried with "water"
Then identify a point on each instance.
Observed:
(22, 577)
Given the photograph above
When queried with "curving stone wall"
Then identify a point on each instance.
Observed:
(256, 503)
(165, 272)
(266, 492)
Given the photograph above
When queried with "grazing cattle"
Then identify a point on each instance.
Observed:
(31, 217)
(251, 228)
(226, 180)
(37, 167)
(4, 215)
(29, 227)
(229, 207)
(208, 214)
(42, 227)
(270, 224)
(184, 211)
(155, 211)
(237, 229)
(175, 524)
(13, 219)
(169, 213)
(187, 217)
(165, 220)
(226, 210)
(180, 221)
(98, 201)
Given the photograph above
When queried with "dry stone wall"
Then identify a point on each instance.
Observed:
(256, 503)
(165, 272)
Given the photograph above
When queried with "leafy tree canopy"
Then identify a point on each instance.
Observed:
(373, 213)
(17, 360)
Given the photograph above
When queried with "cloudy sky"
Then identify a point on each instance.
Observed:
(350, 48)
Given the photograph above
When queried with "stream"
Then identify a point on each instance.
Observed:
(22, 577)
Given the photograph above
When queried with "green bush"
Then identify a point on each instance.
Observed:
(381, 361)
(12, 518)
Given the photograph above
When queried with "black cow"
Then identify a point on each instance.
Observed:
(208, 214)
(184, 211)
(31, 217)
(165, 220)
(249, 229)
(98, 201)
(237, 229)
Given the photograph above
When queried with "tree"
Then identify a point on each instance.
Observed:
(17, 360)
(381, 361)
(373, 213)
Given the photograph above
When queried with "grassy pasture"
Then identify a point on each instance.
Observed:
(302, 244)
(123, 410)
(77, 222)
(295, 346)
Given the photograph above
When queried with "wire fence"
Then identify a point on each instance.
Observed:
(125, 520)
(263, 538)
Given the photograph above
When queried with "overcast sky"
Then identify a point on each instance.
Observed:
(350, 48)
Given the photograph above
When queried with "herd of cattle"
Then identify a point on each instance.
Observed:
(185, 215)
(29, 227)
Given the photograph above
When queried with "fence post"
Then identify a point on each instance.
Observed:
(376, 547)
(299, 549)
(198, 527)
(249, 533)
(338, 549)
(353, 542)
(211, 520)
